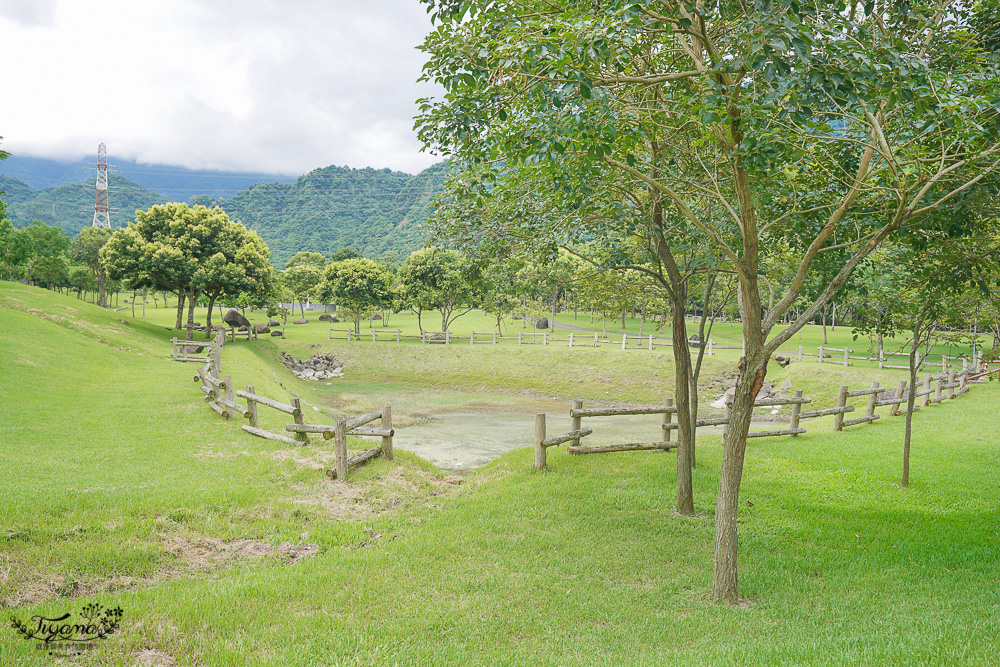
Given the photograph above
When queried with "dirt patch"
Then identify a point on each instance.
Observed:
(209, 553)
(198, 555)
(149, 657)
(364, 499)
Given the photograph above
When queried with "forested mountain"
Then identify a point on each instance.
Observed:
(326, 209)
(71, 207)
(174, 183)
(372, 210)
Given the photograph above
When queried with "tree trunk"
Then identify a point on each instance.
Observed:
(682, 399)
(102, 294)
(357, 323)
(725, 577)
(825, 341)
(208, 317)
(180, 309)
(555, 299)
(192, 303)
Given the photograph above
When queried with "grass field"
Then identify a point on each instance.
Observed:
(121, 487)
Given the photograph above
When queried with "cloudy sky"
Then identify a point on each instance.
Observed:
(277, 86)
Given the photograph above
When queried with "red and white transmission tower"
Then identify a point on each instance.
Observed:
(101, 216)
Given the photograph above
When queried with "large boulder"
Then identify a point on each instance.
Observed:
(234, 319)
(261, 329)
(277, 333)
(326, 317)
(302, 321)
(542, 323)
(273, 323)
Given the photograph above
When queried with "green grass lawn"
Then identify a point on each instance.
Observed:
(120, 486)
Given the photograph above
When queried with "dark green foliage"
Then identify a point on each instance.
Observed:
(335, 207)
(71, 207)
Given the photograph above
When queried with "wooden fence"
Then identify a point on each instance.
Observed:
(935, 388)
(220, 395)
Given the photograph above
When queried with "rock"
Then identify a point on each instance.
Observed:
(273, 323)
(694, 340)
(302, 321)
(782, 360)
(261, 329)
(542, 323)
(234, 319)
(787, 384)
(242, 329)
(277, 333)
(326, 317)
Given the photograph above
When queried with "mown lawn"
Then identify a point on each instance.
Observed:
(115, 464)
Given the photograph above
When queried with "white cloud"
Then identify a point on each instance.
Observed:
(260, 85)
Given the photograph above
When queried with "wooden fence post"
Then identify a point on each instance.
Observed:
(650, 343)
(539, 437)
(472, 338)
(576, 423)
(571, 339)
(872, 400)
(846, 358)
(624, 338)
(387, 425)
(711, 344)
(796, 409)
(838, 421)
(899, 394)
(518, 337)
(938, 388)
(252, 407)
(340, 449)
(820, 354)
(230, 413)
(800, 351)
(951, 383)
(927, 388)
(668, 417)
(545, 338)
(595, 340)
(301, 437)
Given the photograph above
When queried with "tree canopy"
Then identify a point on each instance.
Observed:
(823, 127)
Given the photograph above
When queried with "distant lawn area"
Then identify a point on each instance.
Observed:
(120, 487)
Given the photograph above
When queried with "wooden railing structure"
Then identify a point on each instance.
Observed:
(573, 339)
(936, 388)
(492, 334)
(181, 347)
(219, 393)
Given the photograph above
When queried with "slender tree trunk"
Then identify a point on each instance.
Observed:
(825, 341)
(208, 317)
(725, 577)
(192, 304)
(180, 308)
(102, 294)
(682, 398)
(555, 299)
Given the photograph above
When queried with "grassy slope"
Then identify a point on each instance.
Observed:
(584, 563)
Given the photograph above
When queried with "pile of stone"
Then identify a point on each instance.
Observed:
(318, 367)
(767, 390)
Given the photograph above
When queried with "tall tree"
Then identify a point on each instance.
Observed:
(831, 125)
(167, 246)
(436, 278)
(358, 287)
(86, 248)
